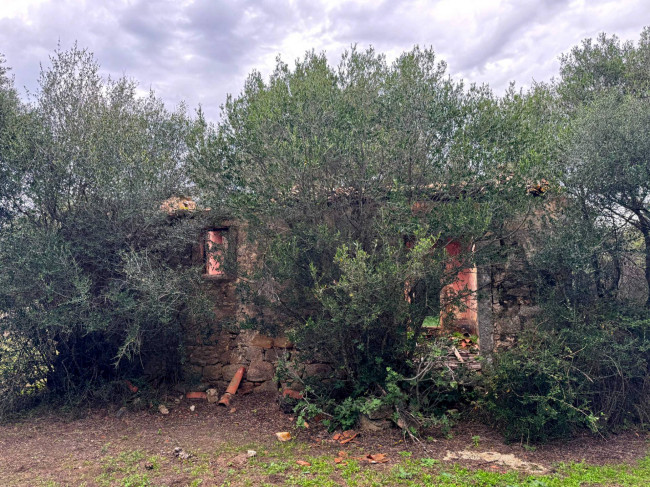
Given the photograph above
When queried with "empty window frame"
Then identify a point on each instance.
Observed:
(215, 250)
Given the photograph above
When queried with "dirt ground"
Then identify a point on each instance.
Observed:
(47, 450)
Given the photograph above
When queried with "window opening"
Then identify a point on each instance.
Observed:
(216, 244)
(458, 299)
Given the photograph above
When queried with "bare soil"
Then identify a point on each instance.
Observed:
(47, 448)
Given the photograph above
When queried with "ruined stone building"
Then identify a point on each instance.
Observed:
(495, 310)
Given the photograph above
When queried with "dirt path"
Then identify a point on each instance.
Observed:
(47, 449)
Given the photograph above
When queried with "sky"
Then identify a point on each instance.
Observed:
(201, 50)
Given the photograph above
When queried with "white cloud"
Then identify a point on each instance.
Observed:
(199, 50)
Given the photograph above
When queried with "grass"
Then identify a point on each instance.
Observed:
(277, 465)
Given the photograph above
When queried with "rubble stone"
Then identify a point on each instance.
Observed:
(229, 371)
(260, 371)
(213, 395)
(262, 341)
(213, 373)
(317, 370)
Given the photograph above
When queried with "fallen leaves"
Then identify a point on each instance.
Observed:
(377, 458)
(303, 463)
(345, 437)
(372, 458)
(283, 436)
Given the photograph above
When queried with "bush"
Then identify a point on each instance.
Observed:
(578, 374)
(95, 277)
(430, 399)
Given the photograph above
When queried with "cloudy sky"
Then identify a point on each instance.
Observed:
(200, 50)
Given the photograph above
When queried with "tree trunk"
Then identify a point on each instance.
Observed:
(646, 238)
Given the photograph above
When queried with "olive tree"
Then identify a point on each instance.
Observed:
(94, 273)
(604, 88)
(333, 169)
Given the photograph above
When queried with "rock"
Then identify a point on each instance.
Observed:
(260, 371)
(382, 412)
(268, 386)
(367, 424)
(275, 354)
(295, 385)
(253, 354)
(245, 388)
(228, 356)
(213, 395)
(163, 409)
(529, 312)
(229, 371)
(213, 373)
(192, 407)
(282, 342)
(520, 291)
(192, 373)
(510, 326)
(262, 341)
(318, 370)
(180, 453)
(251, 453)
(203, 355)
(239, 460)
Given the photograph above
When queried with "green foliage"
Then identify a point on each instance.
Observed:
(334, 168)
(13, 147)
(95, 276)
(605, 166)
(586, 374)
(428, 401)
(585, 364)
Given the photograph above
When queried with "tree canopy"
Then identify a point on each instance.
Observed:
(92, 270)
(351, 184)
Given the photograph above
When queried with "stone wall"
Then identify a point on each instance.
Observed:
(215, 364)
(511, 297)
(215, 352)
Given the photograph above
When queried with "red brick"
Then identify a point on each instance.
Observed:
(196, 395)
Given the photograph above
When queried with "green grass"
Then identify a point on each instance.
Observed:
(276, 465)
(404, 471)
(431, 322)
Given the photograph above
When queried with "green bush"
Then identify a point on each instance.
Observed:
(428, 400)
(584, 374)
(95, 277)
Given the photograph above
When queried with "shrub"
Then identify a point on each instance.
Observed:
(577, 374)
(95, 277)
